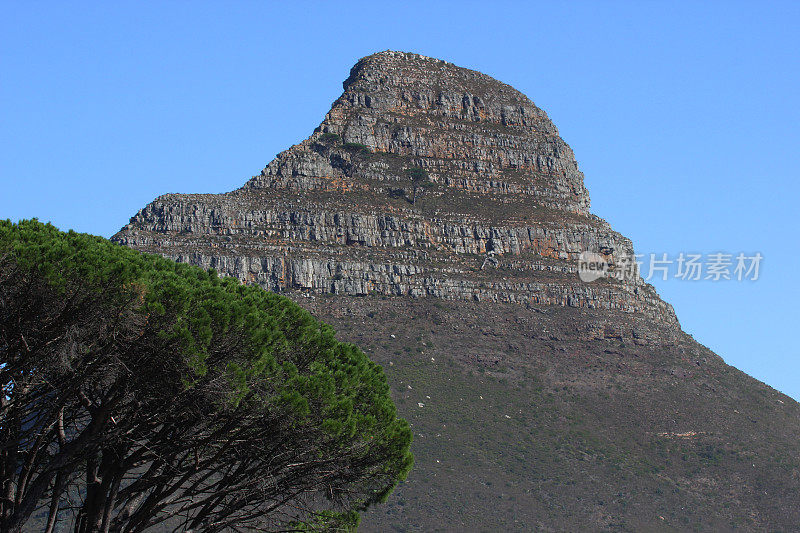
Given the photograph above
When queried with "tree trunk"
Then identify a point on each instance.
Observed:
(55, 499)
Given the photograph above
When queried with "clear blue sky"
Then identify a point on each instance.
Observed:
(684, 116)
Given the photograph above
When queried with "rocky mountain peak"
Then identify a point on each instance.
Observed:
(466, 129)
(420, 170)
(441, 88)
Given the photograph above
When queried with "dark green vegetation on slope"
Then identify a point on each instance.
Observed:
(528, 423)
(138, 391)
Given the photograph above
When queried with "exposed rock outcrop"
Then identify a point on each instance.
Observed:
(334, 214)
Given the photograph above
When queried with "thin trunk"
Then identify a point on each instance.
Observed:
(111, 502)
(84, 522)
(55, 500)
(10, 457)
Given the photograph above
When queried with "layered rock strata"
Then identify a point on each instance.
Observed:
(341, 212)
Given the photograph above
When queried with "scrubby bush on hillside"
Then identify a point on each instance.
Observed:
(420, 180)
(357, 148)
(331, 138)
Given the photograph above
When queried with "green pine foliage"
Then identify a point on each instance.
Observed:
(332, 138)
(212, 349)
(357, 148)
(417, 175)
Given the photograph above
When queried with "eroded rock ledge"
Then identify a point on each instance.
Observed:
(340, 213)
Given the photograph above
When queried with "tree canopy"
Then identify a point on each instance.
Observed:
(139, 392)
(419, 180)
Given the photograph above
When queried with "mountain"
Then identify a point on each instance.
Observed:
(436, 218)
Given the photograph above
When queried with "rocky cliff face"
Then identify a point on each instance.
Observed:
(339, 213)
(538, 401)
